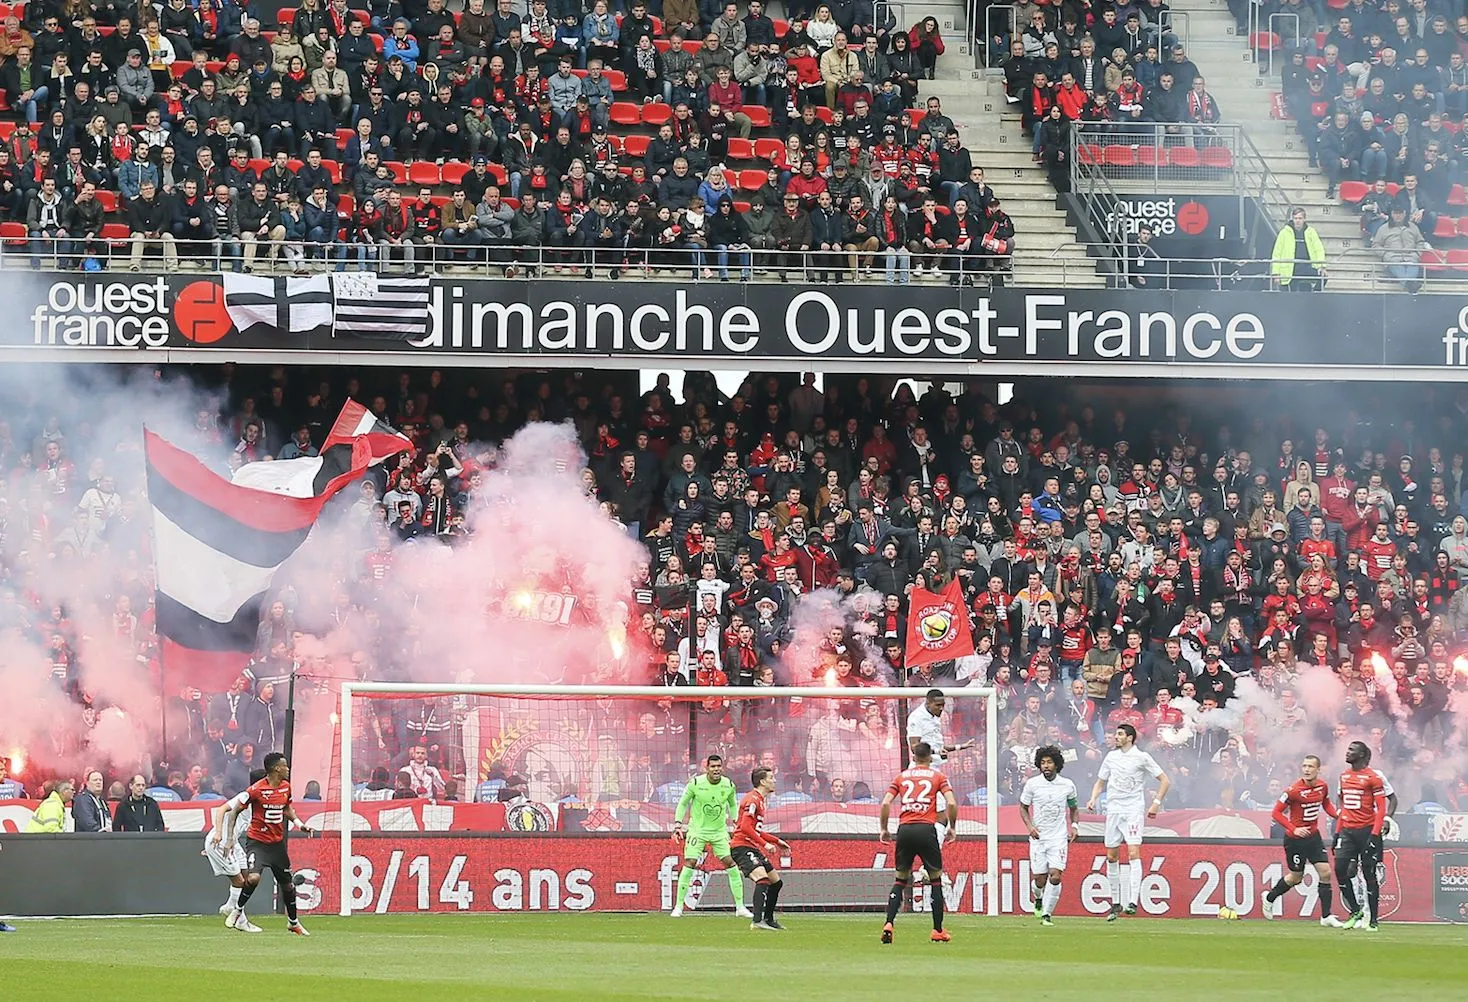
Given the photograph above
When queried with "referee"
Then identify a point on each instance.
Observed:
(925, 726)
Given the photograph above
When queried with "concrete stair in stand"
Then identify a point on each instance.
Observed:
(1244, 94)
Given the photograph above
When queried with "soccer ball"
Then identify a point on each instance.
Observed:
(1226, 913)
(936, 626)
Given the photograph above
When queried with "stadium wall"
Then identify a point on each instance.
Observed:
(956, 332)
(411, 872)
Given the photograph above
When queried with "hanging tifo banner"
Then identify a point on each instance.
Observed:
(75, 317)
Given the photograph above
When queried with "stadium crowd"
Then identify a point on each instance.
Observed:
(1123, 562)
(698, 136)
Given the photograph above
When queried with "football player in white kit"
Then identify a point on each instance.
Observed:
(1124, 774)
(228, 860)
(1050, 808)
(925, 726)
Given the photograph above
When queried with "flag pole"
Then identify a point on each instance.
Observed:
(157, 637)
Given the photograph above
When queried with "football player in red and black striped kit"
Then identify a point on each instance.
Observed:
(1298, 812)
(264, 841)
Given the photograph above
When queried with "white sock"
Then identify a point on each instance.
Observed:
(1052, 898)
(1124, 878)
(1113, 876)
(234, 896)
(1136, 889)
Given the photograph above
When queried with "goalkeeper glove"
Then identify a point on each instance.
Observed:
(1376, 847)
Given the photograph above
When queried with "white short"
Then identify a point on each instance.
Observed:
(227, 861)
(1124, 826)
(1048, 854)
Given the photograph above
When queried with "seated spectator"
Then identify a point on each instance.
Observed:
(1401, 245)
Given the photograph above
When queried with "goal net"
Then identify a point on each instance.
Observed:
(520, 797)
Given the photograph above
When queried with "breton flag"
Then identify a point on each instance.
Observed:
(358, 439)
(937, 626)
(217, 547)
(380, 307)
(300, 307)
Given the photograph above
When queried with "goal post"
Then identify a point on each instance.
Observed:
(835, 734)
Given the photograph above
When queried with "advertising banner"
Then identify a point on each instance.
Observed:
(87, 317)
(1450, 886)
(515, 873)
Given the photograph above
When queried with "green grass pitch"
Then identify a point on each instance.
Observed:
(707, 956)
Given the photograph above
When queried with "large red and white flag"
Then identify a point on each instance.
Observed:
(937, 626)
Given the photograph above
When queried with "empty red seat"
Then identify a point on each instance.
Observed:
(116, 233)
(752, 180)
(424, 172)
(1119, 156)
(1447, 228)
(768, 149)
(1264, 41)
(656, 114)
(1433, 260)
(1353, 191)
(759, 115)
(626, 113)
(1090, 154)
(13, 234)
(454, 171)
(1183, 156)
(617, 79)
(1457, 196)
(1458, 259)
(915, 116)
(1218, 157)
(399, 170)
(741, 149)
(107, 199)
(636, 146)
(1151, 156)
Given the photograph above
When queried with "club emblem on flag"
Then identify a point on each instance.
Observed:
(938, 628)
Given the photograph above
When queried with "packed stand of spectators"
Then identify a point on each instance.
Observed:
(1379, 94)
(1121, 564)
(1116, 69)
(410, 136)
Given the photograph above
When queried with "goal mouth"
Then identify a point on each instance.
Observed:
(590, 760)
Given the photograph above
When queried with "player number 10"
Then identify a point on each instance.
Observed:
(453, 890)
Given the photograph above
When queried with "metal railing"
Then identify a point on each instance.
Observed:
(679, 262)
(1168, 26)
(1352, 269)
(1261, 33)
(980, 18)
(1138, 155)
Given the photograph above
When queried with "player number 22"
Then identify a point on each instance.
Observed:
(918, 793)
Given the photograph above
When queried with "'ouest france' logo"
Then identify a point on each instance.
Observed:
(103, 314)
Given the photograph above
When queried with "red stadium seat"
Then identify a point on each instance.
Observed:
(1183, 156)
(424, 172)
(741, 206)
(454, 171)
(498, 172)
(1433, 261)
(636, 146)
(1457, 196)
(179, 67)
(1457, 257)
(333, 170)
(915, 116)
(1392, 188)
(1218, 157)
(440, 200)
(768, 149)
(626, 113)
(617, 79)
(285, 16)
(752, 180)
(399, 170)
(107, 199)
(260, 165)
(1151, 156)
(741, 149)
(344, 136)
(1446, 228)
(1118, 156)
(781, 26)
(824, 114)
(1265, 41)
(1353, 191)
(116, 233)
(1090, 154)
(662, 44)
(13, 234)
(656, 114)
(759, 115)
(345, 205)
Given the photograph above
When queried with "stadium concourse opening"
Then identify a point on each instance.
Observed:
(1246, 572)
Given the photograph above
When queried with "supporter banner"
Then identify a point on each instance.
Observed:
(619, 873)
(1450, 886)
(79, 316)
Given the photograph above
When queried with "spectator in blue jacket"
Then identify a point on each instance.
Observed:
(402, 44)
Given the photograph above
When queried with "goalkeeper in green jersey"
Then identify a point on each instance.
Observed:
(709, 804)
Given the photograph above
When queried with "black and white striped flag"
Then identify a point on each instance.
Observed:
(380, 307)
(296, 306)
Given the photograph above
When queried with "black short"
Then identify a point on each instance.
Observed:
(748, 860)
(264, 856)
(1299, 851)
(918, 841)
(1354, 844)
